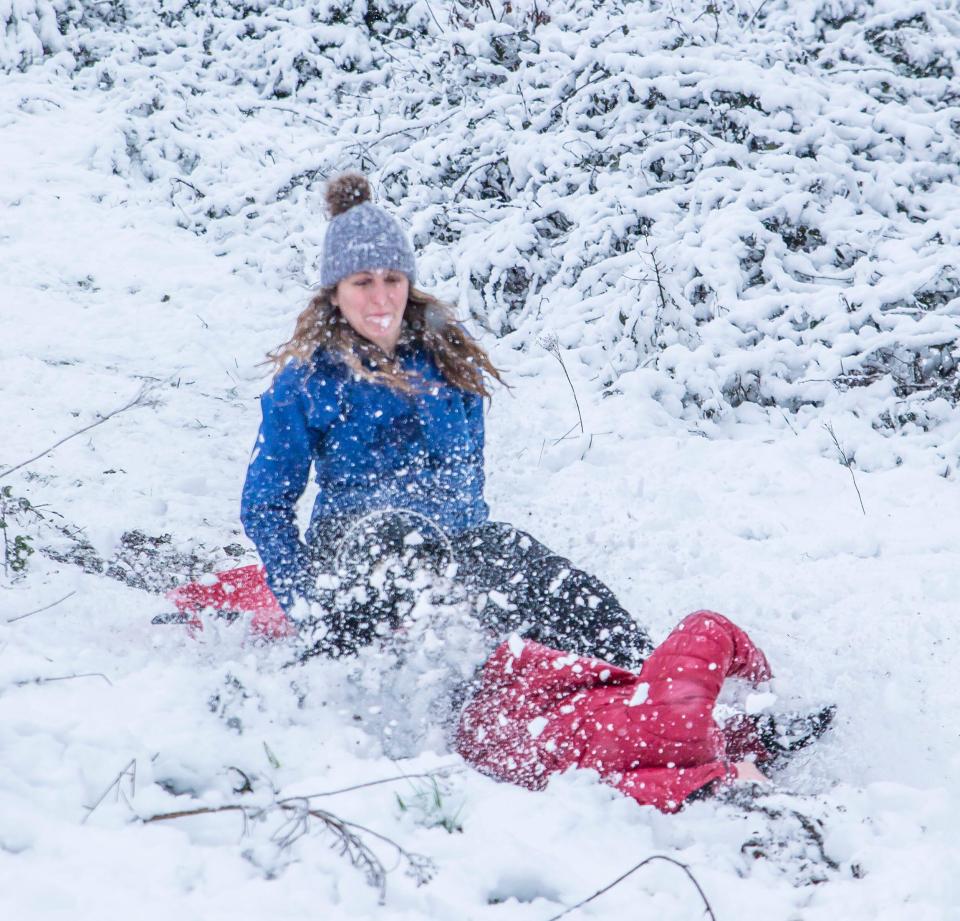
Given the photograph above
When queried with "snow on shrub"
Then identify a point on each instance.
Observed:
(30, 30)
(753, 202)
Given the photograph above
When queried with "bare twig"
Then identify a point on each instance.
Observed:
(552, 345)
(141, 399)
(846, 462)
(365, 145)
(785, 419)
(201, 810)
(130, 772)
(568, 433)
(597, 77)
(661, 295)
(302, 115)
(190, 185)
(298, 813)
(292, 800)
(756, 13)
(356, 850)
(433, 16)
(47, 607)
(21, 684)
(711, 8)
(489, 161)
(441, 772)
(707, 908)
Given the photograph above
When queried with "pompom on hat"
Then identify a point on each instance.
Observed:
(361, 237)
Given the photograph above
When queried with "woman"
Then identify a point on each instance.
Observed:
(382, 392)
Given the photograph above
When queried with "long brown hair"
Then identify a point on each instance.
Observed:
(427, 322)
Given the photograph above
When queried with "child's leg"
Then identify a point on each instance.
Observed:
(683, 677)
(709, 648)
(544, 597)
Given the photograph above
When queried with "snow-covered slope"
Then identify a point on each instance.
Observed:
(735, 203)
(159, 214)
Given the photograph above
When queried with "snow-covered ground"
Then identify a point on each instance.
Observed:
(105, 290)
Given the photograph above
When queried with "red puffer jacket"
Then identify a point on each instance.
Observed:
(651, 735)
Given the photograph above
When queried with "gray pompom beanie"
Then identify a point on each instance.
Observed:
(362, 237)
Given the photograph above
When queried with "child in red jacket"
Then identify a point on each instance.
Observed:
(649, 734)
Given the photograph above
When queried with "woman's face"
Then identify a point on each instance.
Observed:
(373, 303)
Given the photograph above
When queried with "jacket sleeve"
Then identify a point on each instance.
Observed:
(276, 478)
(473, 406)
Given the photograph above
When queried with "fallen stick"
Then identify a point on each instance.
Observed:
(53, 604)
(21, 684)
(620, 879)
(139, 400)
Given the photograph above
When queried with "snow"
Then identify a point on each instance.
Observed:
(757, 703)
(640, 695)
(536, 726)
(684, 490)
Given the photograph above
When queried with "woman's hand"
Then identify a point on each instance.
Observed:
(747, 771)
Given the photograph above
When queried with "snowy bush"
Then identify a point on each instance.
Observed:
(726, 204)
(30, 29)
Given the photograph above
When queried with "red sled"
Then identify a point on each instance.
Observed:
(232, 594)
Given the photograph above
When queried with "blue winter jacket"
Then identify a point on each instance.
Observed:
(371, 448)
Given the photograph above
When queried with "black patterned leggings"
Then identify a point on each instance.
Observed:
(516, 585)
